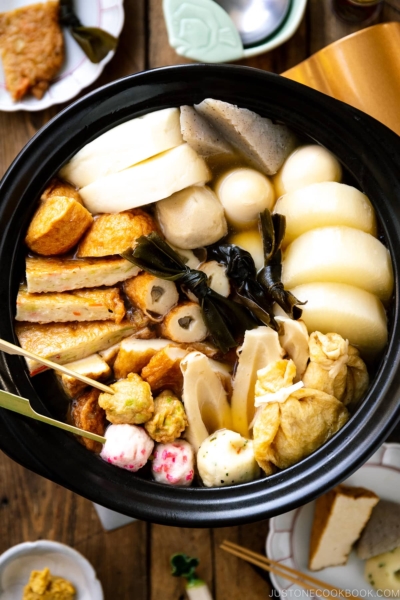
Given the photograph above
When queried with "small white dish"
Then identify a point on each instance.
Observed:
(77, 71)
(289, 535)
(17, 563)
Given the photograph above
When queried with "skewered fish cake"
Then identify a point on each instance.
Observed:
(154, 296)
(185, 323)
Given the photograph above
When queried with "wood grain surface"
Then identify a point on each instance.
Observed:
(133, 562)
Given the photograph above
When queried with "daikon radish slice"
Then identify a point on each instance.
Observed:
(324, 205)
(149, 181)
(306, 165)
(260, 347)
(123, 146)
(355, 314)
(342, 255)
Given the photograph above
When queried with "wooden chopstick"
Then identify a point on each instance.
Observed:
(9, 348)
(292, 575)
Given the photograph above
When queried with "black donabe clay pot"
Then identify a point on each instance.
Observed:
(371, 154)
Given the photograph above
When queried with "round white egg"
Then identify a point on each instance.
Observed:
(307, 165)
(252, 242)
(244, 193)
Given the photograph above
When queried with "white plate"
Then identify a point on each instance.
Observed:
(289, 536)
(77, 71)
(17, 563)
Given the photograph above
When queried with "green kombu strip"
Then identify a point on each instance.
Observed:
(226, 320)
(96, 43)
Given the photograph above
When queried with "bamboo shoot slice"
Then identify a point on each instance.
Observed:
(260, 347)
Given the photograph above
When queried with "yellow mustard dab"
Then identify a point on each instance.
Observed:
(42, 585)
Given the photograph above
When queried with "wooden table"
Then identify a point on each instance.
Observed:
(133, 562)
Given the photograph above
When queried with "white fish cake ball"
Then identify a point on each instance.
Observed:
(192, 218)
(306, 165)
(251, 241)
(226, 458)
(173, 463)
(244, 193)
(383, 572)
(127, 446)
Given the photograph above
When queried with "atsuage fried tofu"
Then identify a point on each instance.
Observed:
(92, 366)
(57, 187)
(57, 226)
(113, 234)
(88, 415)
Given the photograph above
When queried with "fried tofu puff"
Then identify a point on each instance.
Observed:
(169, 418)
(132, 402)
(113, 234)
(57, 226)
(154, 296)
(57, 187)
(88, 415)
(163, 371)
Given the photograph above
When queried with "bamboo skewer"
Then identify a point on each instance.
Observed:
(302, 579)
(9, 348)
(23, 407)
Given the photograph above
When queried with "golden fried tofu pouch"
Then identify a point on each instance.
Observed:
(336, 368)
(57, 226)
(113, 234)
(164, 369)
(291, 424)
(87, 414)
(169, 419)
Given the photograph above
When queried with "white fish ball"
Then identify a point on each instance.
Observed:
(173, 463)
(127, 447)
(226, 458)
(307, 165)
(244, 193)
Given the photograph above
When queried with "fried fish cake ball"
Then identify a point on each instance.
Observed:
(57, 226)
(169, 419)
(88, 415)
(127, 446)
(113, 234)
(173, 463)
(132, 402)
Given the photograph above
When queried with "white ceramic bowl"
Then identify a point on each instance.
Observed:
(17, 563)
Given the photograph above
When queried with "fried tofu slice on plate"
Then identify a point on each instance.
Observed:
(115, 233)
(31, 48)
(87, 414)
(80, 305)
(67, 342)
(60, 275)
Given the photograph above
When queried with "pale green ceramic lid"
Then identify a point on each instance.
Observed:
(203, 31)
